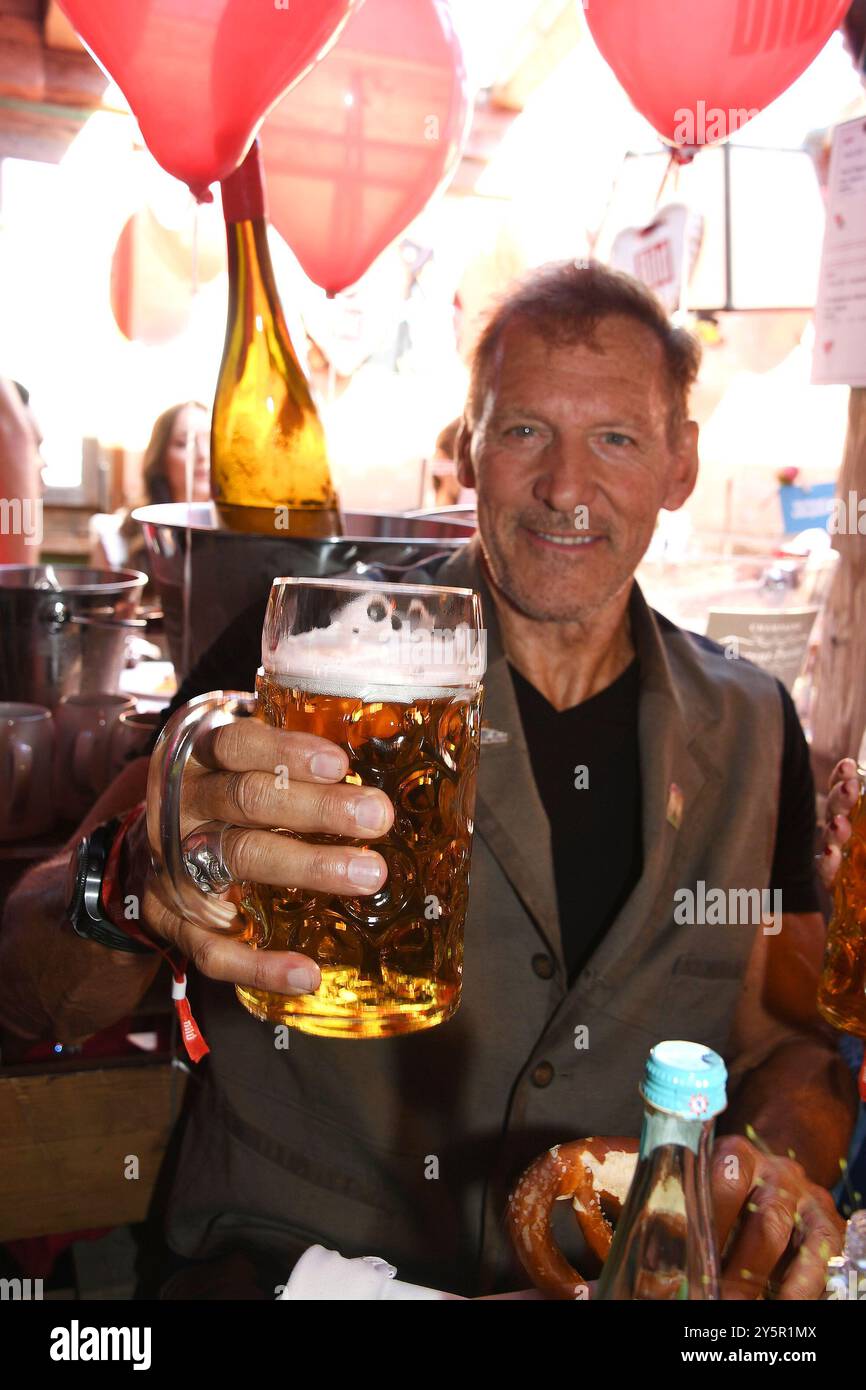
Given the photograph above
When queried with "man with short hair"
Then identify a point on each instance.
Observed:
(637, 761)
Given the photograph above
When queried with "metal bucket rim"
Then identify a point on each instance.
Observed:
(120, 581)
(176, 515)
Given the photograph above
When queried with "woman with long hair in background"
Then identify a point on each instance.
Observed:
(163, 476)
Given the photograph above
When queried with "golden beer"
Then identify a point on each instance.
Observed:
(842, 989)
(392, 673)
(391, 962)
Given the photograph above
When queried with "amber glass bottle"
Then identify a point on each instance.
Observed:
(269, 462)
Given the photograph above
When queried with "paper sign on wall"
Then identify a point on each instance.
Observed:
(662, 255)
(777, 642)
(840, 314)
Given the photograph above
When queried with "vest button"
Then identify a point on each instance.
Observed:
(542, 1074)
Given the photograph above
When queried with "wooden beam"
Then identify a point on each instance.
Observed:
(840, 698)
(22, 9)
(36, 133)
(553, 30)
(59, 33)
(488, 129)
(31, 72)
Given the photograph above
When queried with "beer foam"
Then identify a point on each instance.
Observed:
(366, 693)
(356, 657)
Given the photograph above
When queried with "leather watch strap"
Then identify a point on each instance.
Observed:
(86, 911)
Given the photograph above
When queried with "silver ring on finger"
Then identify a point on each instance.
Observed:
(204, 859)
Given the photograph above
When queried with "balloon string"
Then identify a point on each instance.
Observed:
(681, 314)
(592, 237)
(189, 465)
(671, 165)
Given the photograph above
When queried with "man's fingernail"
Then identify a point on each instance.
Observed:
(326, 765)
(303, 979)
(370, 813)
(364, 871)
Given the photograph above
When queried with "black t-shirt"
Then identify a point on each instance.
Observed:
(595, 829)
(586, 763)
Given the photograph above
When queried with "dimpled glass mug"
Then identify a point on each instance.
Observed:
(391, 673)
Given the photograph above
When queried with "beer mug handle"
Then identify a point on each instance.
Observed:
(173, 749)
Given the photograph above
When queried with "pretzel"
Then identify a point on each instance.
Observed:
(589, 1171)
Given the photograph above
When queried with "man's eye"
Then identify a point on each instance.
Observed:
(521, 431)
(614, 437)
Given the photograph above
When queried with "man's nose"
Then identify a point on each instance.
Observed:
(567, 476)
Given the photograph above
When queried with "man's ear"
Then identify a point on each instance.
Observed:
(683, 473)
(463, 455)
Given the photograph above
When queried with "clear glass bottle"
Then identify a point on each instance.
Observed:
(664, 1246)
(846, 1273)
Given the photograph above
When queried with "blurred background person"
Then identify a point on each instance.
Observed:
(20, 477)
(448, 491)
(117, 538)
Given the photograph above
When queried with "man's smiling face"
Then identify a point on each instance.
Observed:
(572, 456)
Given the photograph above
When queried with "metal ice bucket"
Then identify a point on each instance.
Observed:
(63, 629)
(230, 570)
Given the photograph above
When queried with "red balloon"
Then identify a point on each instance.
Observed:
(359, 147)
(699, 71)
(199, 75)
(151, 286)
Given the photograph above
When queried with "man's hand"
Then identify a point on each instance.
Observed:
(231, 777)
(843, 796)
(776, 1229)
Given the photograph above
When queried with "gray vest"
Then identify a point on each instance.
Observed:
(407, 1147)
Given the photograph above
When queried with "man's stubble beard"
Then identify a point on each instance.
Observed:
(501, 573)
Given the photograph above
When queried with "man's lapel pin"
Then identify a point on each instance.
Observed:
(493, 736)
(675, 806)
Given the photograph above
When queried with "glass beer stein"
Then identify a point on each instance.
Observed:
(391, 673)
(842, 991)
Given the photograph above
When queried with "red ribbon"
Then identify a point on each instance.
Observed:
(191, 1034)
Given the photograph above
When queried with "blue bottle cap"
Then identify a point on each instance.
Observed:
(685, 1079)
